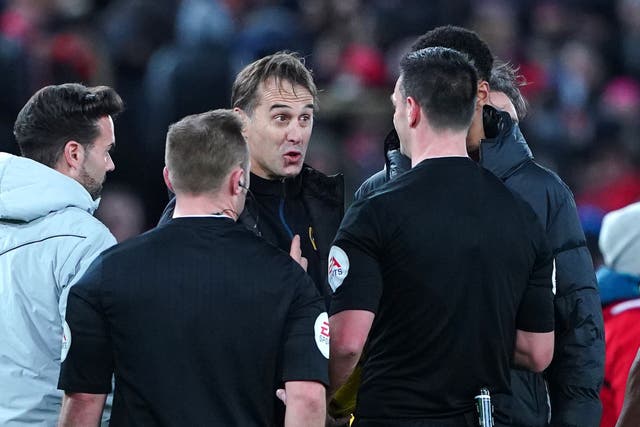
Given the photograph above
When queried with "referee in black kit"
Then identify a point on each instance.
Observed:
(443, 272)
(199, 319)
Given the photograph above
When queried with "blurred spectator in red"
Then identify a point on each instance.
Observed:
(618, 282)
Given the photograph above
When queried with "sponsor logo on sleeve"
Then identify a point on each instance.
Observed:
(338, 267)
(66, 341)
(321, 334)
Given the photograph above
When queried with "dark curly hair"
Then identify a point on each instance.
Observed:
(462, 40)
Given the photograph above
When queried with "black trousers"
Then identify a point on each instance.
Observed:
(465, 420)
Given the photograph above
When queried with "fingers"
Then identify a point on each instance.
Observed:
(296, 252)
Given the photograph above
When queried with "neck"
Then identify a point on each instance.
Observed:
(476, 130)
(203, 204)
(446, 143)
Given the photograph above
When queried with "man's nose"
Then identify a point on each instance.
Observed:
(110, 165)
(294, 133)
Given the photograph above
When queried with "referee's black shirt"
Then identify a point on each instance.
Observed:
(201, 321)
(451, 263)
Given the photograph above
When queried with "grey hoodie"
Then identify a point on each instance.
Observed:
(48, 237)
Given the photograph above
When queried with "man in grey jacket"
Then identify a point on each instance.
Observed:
(48, 237)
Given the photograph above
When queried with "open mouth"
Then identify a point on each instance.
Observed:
(292, 156)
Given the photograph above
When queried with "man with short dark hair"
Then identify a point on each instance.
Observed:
(49, 237)
(199, 319)
(567, 393)
(276, 99)
(446, 288)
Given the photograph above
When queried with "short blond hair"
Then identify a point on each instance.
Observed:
(202, 149)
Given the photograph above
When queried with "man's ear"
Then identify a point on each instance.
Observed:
(483, 94)
(413, 112)
(244, 118)
(167, 180)
(71, 159)
(236, 181)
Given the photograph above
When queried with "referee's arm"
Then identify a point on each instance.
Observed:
(349, 332)
(81, 409)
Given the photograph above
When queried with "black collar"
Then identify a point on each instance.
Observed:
(277, 187)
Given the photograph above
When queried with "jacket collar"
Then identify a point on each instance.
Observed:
(310, 183)
(395, 162)
(276, 187)
(502, 154)
(507, 151)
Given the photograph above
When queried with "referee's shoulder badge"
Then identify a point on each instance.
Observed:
(321, 333)
(66, 341)
(338, 267)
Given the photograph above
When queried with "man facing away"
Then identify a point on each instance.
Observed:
(276, 98)
(448, 288)
(567, 393)
(199, 319)
(48, 237)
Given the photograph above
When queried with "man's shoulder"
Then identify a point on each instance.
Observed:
(175, 232)
(72, 222)
(548, 195)
(134, 245)
(371, 184)
(329, 188)
(544, 177)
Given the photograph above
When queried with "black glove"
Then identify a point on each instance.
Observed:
(490, 121)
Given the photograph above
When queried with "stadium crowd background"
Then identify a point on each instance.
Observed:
(170, 58)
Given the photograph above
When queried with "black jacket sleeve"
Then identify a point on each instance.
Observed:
(577, 370)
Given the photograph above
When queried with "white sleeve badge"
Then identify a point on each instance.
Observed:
(66, 341)
(553, 277)
(321, 334)
(338, 267)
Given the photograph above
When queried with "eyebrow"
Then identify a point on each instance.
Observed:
(275, 106)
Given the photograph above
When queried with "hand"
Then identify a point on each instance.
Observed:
(296, 253)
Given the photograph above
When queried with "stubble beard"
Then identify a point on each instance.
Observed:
(90, 184)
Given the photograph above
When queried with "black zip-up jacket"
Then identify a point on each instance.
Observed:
(323, 197)
(577, 370)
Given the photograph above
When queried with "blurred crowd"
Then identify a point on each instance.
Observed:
(170, 58)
